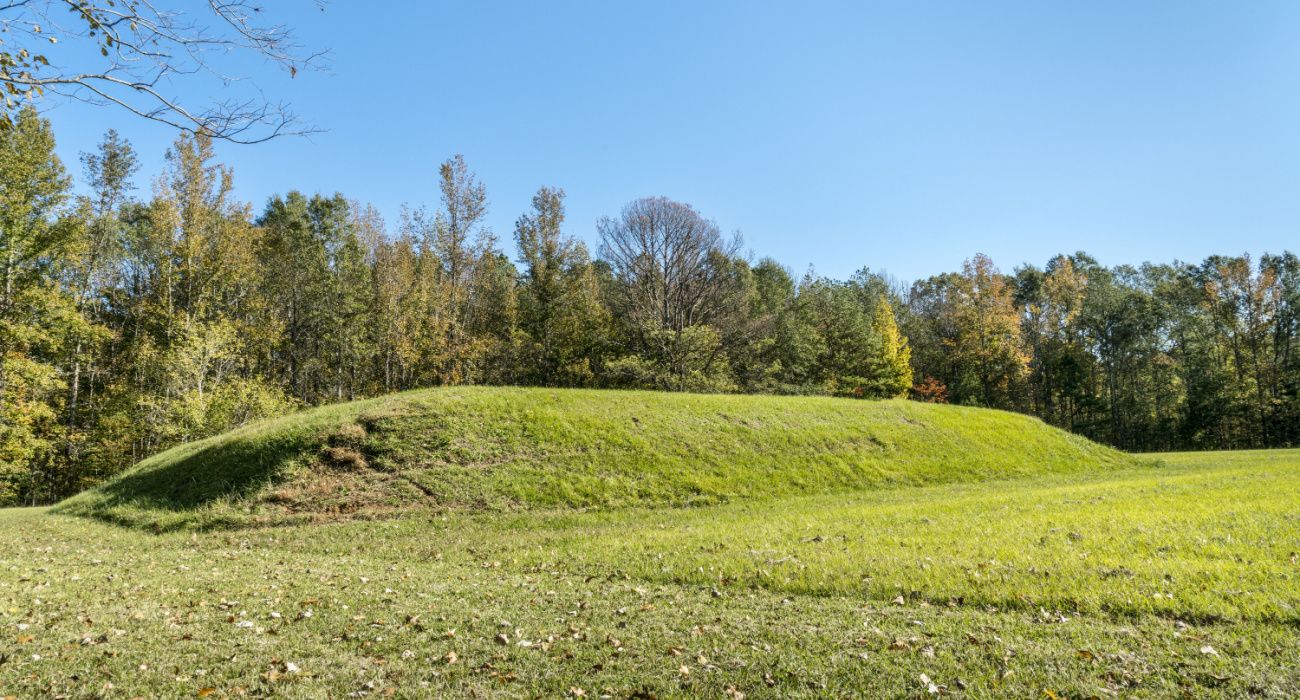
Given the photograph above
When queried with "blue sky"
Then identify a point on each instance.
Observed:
(904, 137)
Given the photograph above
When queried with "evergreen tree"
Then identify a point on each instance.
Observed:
(560, 313)
(889, 365)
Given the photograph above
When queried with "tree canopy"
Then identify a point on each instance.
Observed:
(132, 323)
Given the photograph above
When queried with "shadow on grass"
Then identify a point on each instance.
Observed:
(180, 493)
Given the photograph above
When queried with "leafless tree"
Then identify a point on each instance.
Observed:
(133, 53)
(670, 262)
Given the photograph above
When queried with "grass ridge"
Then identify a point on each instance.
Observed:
(509, 449)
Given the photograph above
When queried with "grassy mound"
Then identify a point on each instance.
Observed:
(493, 449)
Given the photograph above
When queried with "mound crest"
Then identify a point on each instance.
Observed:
(497, 449)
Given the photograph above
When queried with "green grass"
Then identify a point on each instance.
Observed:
(501, 450)
(1180, 580)
(1214, 545)
(525, 543)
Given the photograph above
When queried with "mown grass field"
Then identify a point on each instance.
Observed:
(1130, 578)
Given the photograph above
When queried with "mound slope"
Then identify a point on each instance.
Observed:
(494, 449)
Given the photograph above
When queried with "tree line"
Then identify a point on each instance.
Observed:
(129, 324)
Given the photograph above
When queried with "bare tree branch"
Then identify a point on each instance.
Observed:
(129, 54)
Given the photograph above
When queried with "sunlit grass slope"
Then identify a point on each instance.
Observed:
(1177, 580)
(497, 449)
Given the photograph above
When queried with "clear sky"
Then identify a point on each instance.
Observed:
(904, 137)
